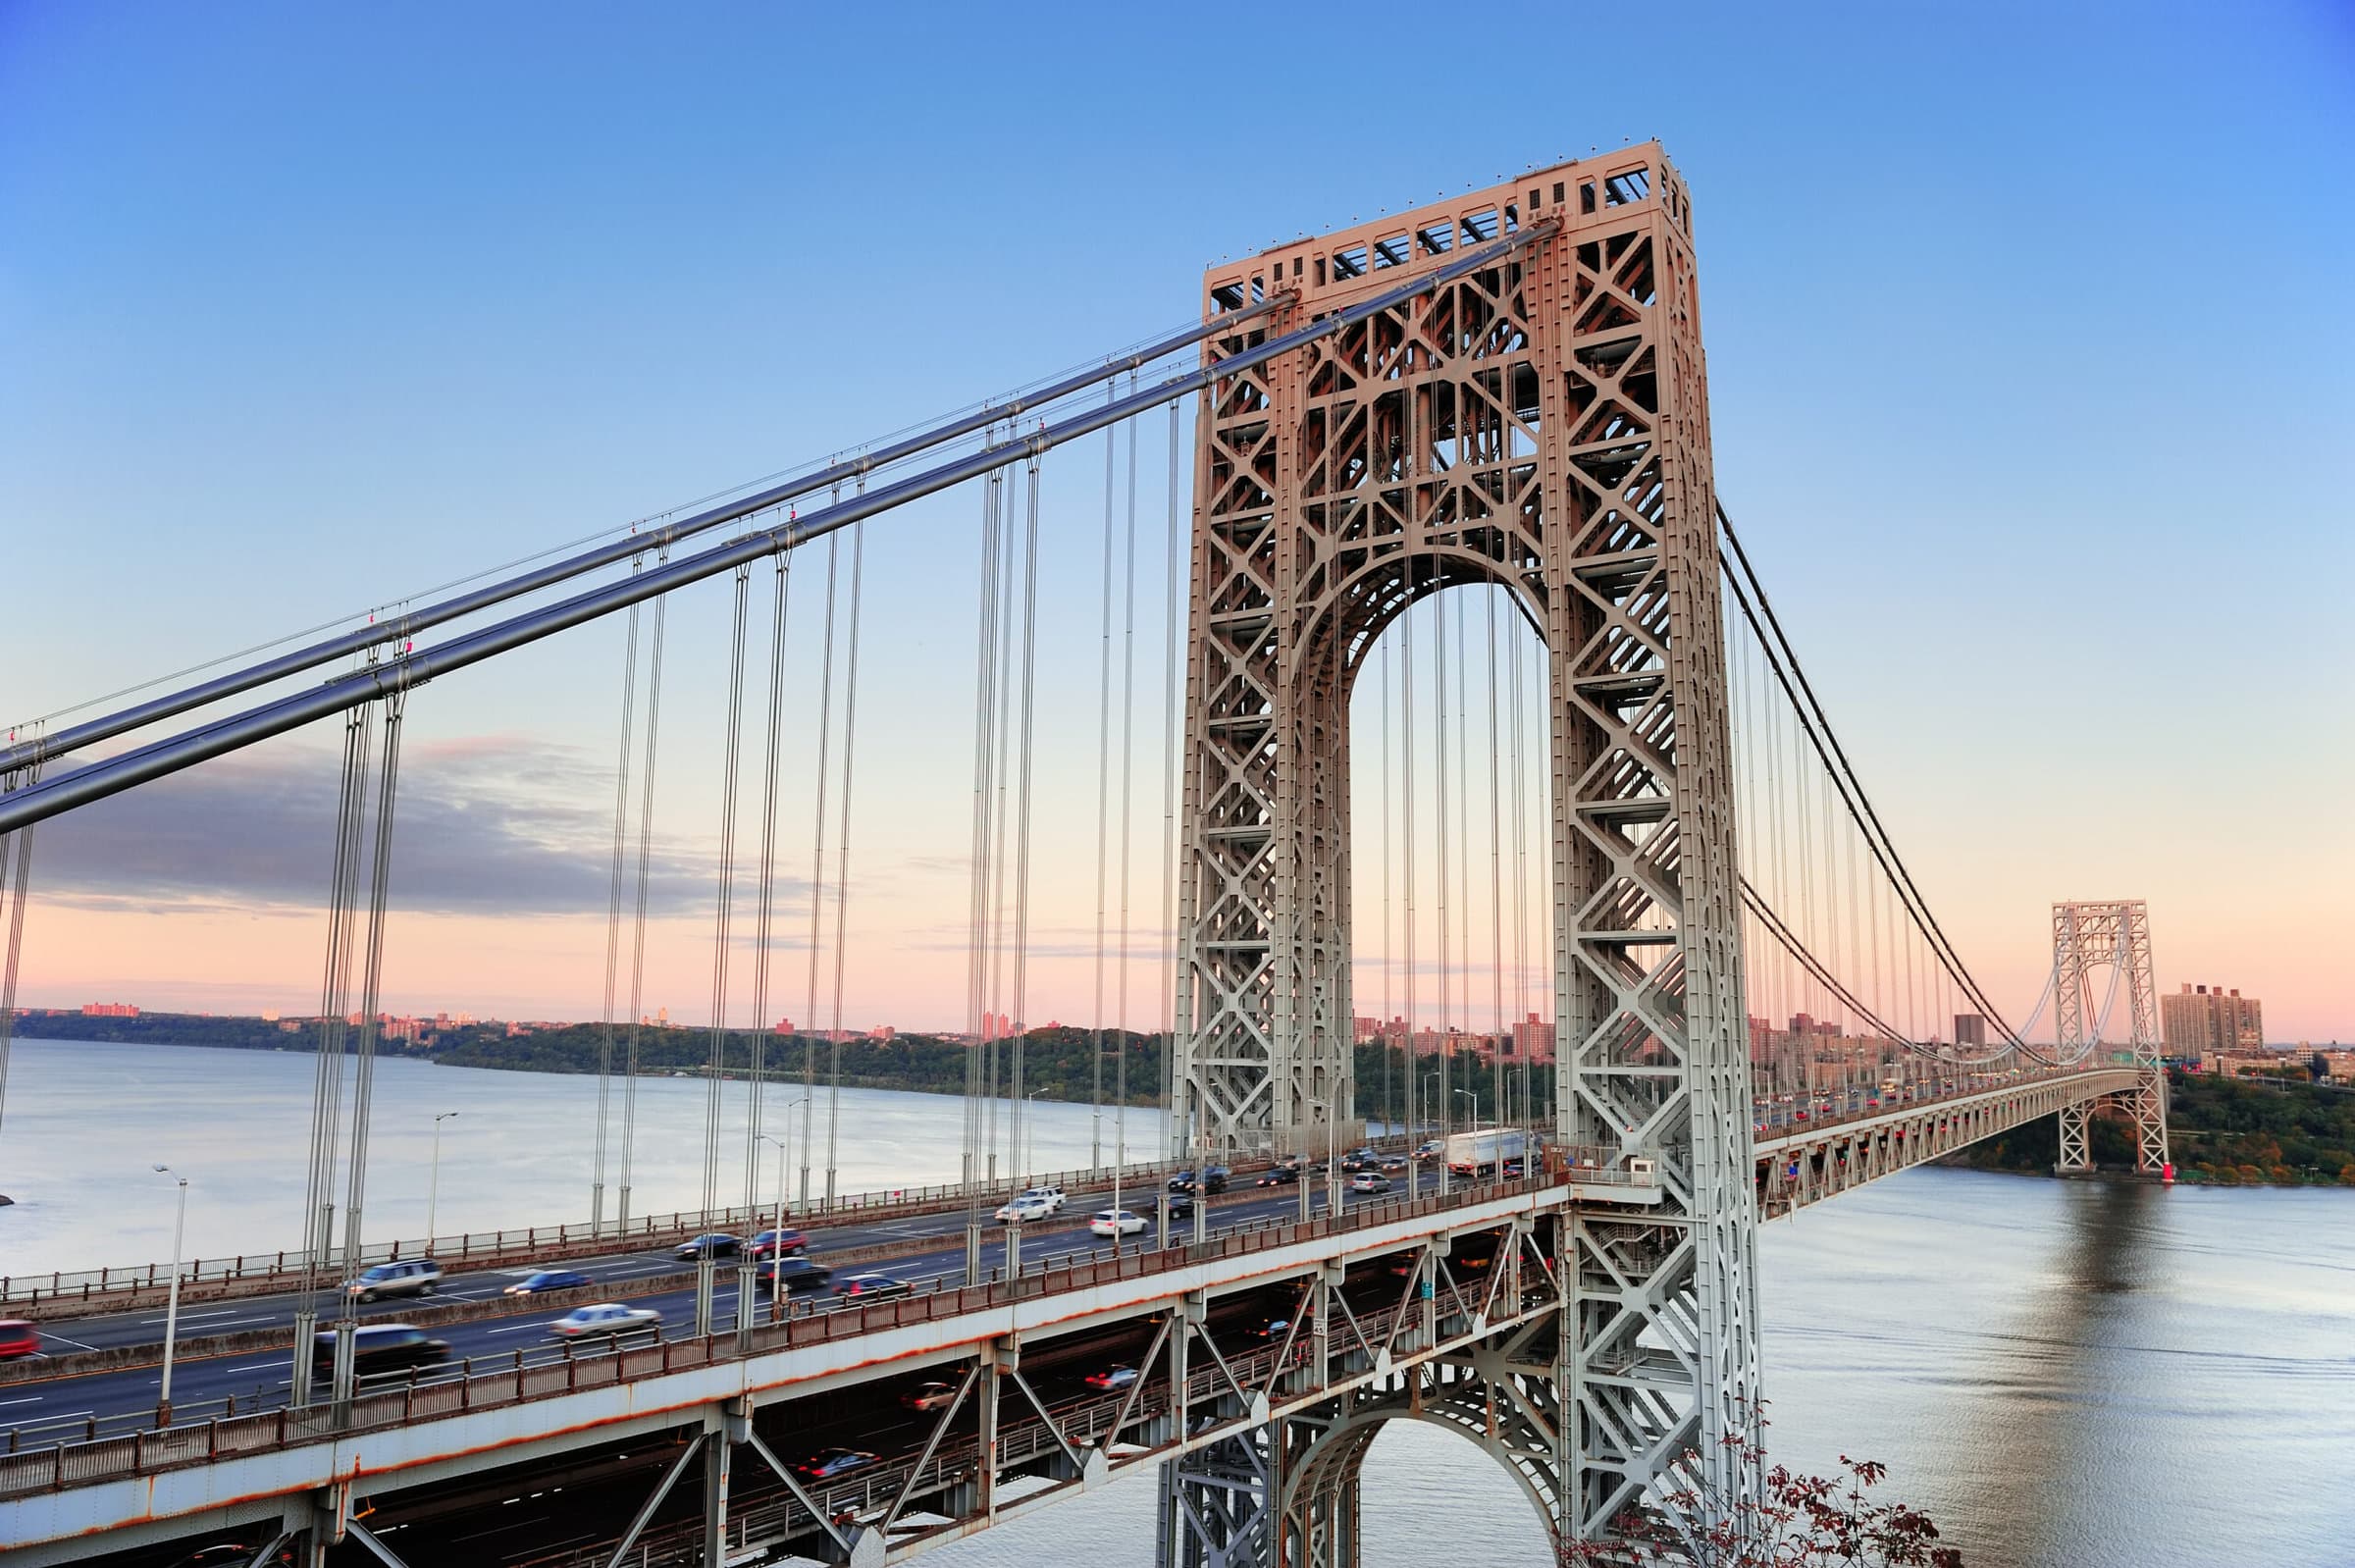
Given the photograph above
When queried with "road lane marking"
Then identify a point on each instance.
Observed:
(29, 1400)
(518, 1328)
(62, 1340)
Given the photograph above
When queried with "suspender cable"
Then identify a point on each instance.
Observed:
(1021, 851)
(19, 876)
(977, 909)
(364, 1065)
(327, 1087)
(1165, 1013)
(646, 839)
(236, 731)
(1519, 764)
(1439, 822)
(1407, 828)
(1103, 808)
(1120, 1113)
(842, 861)
(1496, 883)
(621, 817)
(723, 916)
(818, 872)
(764, 928)
(1001, 1021)
(1389, 952)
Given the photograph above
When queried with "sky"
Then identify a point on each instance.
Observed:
(2029, 334)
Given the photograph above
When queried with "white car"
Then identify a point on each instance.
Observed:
(1116, 1223)
(1052, 1197)
(606, 1317)
(1028, 1209)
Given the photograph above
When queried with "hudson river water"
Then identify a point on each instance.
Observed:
(2064, 1374)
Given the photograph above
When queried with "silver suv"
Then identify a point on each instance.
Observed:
(414, 1277)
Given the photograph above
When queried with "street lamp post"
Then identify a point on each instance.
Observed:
(163, 1410)
(1028, 1154)
(776, 1251)
(432, 1182)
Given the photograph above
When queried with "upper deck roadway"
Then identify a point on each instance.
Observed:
(513, 1421)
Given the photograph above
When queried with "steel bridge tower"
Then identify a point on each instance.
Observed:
(1540, 424)
(2115, 933)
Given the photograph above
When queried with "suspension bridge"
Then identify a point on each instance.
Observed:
(1750, 1004)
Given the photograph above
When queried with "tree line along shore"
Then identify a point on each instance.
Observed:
(2224, 1131)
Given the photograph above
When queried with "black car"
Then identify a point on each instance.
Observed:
(1213, 1180)
(1182, 1206)
(872, 1287)
(714, 1245)
(1284, 1176)
(798, 1275)
(379, 1348)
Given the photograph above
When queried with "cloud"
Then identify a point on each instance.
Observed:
(485, 825)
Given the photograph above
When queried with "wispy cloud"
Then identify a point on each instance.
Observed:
(485, 825)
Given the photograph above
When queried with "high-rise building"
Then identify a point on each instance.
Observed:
(2203, 1020)
(1970, 1029)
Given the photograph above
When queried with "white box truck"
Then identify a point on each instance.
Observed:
(1481, 1153)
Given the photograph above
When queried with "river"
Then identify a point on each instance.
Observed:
(2064, 1374)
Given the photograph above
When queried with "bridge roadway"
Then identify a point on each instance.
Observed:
(526, 1435)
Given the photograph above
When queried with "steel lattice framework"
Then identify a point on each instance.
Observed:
(1541, 423)
(2090, 935)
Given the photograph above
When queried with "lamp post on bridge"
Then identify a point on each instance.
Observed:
(776, 1251)
(163, 1407)
(432, 1182)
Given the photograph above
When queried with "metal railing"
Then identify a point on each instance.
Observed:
(565, 1370)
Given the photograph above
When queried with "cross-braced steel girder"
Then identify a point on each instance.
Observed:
(1540, 424)
(2087, 936)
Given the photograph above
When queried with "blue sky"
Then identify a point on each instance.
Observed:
(2028, 331)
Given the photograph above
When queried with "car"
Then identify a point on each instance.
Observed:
(1798, 1116)
(1430, 1147)
(1394, 1162)
(1052, 1197)
(796, 1274)
(604, 1317)
(785, 1243)
(411, 1277)
(1512, 1169)
(1212, 1180)
(1284, 1176)
(1182, 1206)
(827, 1463)
(379, 1348)
(1023, 1210)
(18, 1338)
(872, 1287)
(1115, 1223)
(1272, 1329)
(1360, 1160)
(1111, 1377)
(547, 1279)
(929, 1397)
(1369, 1182)
(714, 1245)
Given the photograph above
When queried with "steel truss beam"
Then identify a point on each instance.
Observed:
(1540, 424)
(2108, 933)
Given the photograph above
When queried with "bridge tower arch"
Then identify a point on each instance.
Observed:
(1540, 421)
(2089, 935)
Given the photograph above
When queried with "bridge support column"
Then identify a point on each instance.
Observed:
(1218, 1505)
(730, 1427)
(2075, 1153)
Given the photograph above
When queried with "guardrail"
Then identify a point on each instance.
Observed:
(268, 1273)
(146, 1451)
